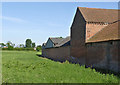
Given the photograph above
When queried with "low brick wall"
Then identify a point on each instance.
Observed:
(104, 55)
(58, 54)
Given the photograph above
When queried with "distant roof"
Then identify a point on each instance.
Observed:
(110, 32)
(65, 40)
(43, 44)
(56, 40)
(99, 15)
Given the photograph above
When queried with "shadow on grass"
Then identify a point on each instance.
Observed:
(51, 58)
(102, 71)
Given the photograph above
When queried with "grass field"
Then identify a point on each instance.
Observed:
(26, 67)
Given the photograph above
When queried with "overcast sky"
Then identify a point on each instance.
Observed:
(39, 20)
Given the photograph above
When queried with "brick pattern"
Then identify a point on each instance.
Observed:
(105, 55)
(92, 29)
(61, 53)
(78, 37)
(99, 54)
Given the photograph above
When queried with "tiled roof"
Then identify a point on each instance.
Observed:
(99, 15)
(64, 41)
(110, 32)
(56, 40)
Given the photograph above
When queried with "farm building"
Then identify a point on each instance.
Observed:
(57, 48)
(94, 39)
(52, 42)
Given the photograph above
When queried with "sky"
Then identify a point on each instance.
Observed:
(40, 20)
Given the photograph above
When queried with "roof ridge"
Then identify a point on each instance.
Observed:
(99, 14)
(55, 37)
(98, 8)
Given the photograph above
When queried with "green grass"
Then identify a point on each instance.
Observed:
(39, 53)
(26, 67)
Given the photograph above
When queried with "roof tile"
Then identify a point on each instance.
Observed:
(99, 15)
(110, 32)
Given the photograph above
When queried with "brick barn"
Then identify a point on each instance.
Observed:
(94, 39)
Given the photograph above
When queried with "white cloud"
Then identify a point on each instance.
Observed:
(12, 19)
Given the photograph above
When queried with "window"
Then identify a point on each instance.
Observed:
(111, 43)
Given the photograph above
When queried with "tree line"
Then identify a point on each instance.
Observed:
(29, 46)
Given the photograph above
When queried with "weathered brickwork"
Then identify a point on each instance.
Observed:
(99, 54)
(59, 54)
(105, 54)
(78, 37)
(93, 28)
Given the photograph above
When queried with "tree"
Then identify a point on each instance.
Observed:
(28, 43)
(39, 48)
(61, 37)
(13, 45)
(33, 45)
(2, 45)
(10, 45)
(9, 42)
(21, 45)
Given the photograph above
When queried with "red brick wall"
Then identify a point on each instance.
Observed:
(103, 55)
(100, 54)
(92, 29)
(95, 53)
(115, 57)
(61, 53)
(78, 37)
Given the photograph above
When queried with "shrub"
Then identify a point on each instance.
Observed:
(19, 49)
(38, 48)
